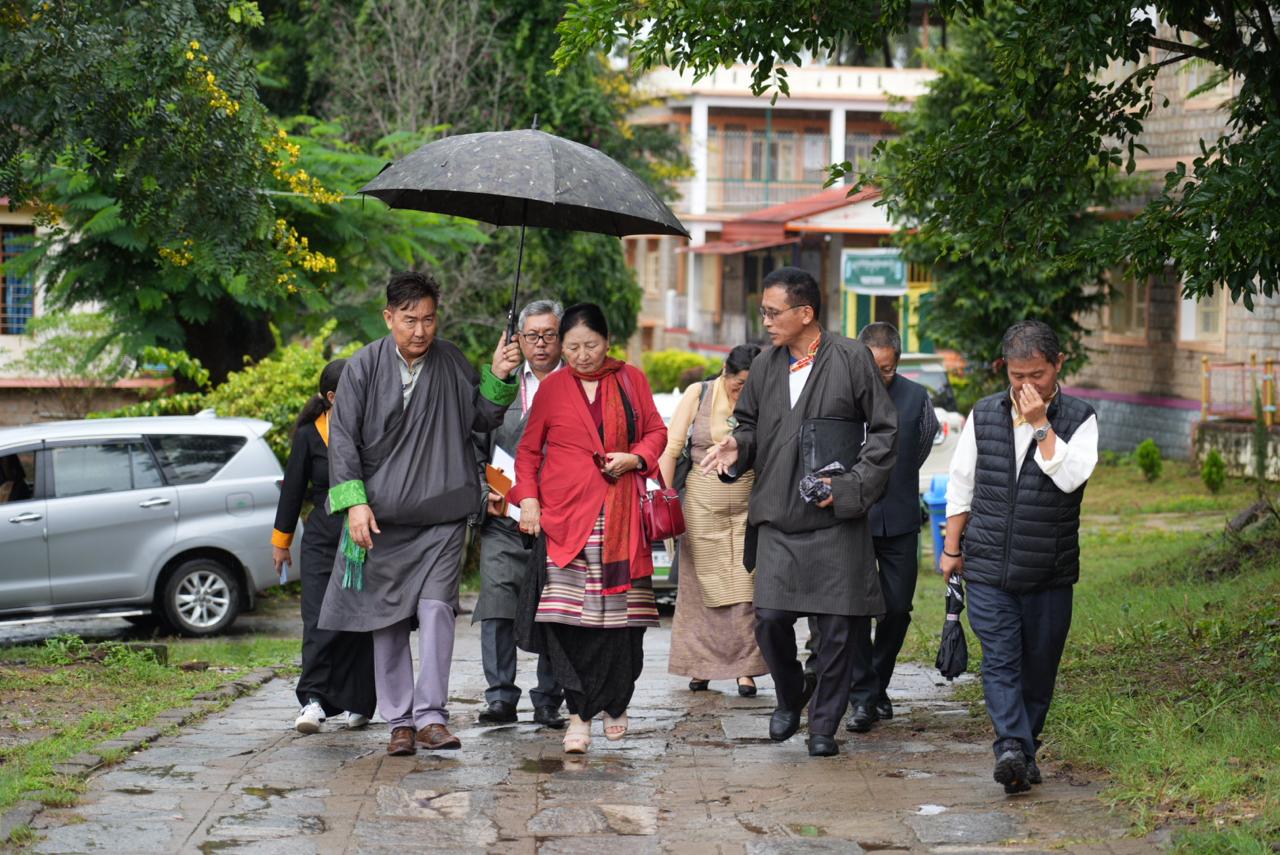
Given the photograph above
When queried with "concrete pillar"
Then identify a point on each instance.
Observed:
(698, 156)
(693, 278)
(837, 136)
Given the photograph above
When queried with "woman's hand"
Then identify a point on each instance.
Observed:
(619, 463)
(531, 517)
(279, 556)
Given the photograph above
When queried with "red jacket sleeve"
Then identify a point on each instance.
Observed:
(529, 452)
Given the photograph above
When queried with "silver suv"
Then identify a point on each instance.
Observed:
(167, 518)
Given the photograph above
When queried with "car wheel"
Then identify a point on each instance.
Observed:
(202, 597)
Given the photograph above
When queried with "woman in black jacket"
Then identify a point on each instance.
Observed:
(337, 667)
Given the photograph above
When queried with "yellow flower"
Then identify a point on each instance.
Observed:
(190, 55)
(195, 45)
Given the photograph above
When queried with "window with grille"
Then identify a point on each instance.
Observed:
(17, 293)
(1127, 305)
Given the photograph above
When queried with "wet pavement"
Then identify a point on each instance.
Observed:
(696, 774)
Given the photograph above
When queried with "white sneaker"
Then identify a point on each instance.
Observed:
(354, 720)
(308, 720)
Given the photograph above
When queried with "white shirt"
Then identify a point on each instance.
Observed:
(529, 384)
(796, 380)
(408, 375)
(1071, 465)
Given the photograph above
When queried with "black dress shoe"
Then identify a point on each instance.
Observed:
(883, 709)
(862, 719)
(549, 716)
(785, 721)
(823, 746)
(1033, 771)
(1011, 771)
(699, 685)
(747, 690)
(499, 712)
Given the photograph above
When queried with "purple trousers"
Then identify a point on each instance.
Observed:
(402, 701)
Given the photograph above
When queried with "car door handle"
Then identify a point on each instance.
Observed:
(153, 503)
(27, 517)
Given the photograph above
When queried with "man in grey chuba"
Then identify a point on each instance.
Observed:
(402, 469)
(504, 560)
(810, 558)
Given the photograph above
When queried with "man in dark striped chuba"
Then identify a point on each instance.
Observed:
(1013, 526)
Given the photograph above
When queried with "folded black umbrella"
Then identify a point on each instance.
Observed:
(953, 652)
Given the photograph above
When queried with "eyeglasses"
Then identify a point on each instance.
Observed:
(535, 337)
(772, 314)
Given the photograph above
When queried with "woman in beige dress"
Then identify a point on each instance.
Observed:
(713, 633)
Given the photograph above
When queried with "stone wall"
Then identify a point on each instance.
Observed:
(1234, 441)
(21, 406)
(1124, 424)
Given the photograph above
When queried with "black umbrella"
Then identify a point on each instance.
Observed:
(525, 178)
(953, 652)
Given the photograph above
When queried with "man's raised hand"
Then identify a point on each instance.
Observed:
(721, 457)
(506, 357)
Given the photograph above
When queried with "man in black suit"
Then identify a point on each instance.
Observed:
(895, 534)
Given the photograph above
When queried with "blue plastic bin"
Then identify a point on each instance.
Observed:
(935, 499)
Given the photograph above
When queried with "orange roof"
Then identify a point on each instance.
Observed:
(770, 223)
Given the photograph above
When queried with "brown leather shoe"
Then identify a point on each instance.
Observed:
(437, 738)
(401, 742)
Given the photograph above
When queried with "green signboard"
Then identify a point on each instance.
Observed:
(874, 271)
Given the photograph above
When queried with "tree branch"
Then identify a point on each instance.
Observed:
(1187, 50)
(1268, 27)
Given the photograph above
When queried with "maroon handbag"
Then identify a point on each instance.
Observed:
(660, 510)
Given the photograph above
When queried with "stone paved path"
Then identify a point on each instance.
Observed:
(696, 775)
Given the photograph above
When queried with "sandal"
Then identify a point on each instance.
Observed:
(699, 685)
(747, 689)
(577, 739)
(615, 728)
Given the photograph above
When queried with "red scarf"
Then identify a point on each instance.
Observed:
(619, 500)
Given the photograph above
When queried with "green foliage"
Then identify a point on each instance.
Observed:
(1037, 145)
(666, 368)
(275, 389)
(1213, 472)
(974, 384)
(977, 293)
(1110, 458)
(1147, 456)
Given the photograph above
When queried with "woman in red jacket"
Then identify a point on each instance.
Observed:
(592, 436)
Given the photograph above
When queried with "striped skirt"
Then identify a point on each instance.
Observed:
(573, 595)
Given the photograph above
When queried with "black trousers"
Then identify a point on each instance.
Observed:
(1022, 637)
(873, 662)
(776, 635)
(337, 667)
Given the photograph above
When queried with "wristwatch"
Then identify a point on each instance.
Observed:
(1041, 432)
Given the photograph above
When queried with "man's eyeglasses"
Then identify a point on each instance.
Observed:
(534, 337)
(772, 314)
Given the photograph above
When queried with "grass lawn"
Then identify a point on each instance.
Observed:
(56, 701)
(1170, 685)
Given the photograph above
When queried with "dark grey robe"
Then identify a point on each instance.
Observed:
(419, 474)
(503, 558)
(809, 559)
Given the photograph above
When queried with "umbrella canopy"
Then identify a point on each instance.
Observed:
(953, 651)
(525, 178)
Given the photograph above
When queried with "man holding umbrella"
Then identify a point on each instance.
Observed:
(1013, 523)
(504, 560)
(402, 469)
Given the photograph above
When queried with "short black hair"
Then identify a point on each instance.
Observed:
(740, 358)
(802, 289)
(1025, 339)
(584, 314)
(881, 334)
(409, 287)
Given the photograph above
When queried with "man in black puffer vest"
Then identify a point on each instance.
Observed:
(1013, 524)
(895, 534)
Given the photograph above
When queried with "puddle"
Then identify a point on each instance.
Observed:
(542, 765)
(930, 810)
(134, 791)
(552, 765)
(909, 774)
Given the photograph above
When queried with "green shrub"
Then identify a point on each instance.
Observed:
(971, 387)
(1110, 458)
(1213, 472)
(664, 368)
(1147, 454)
